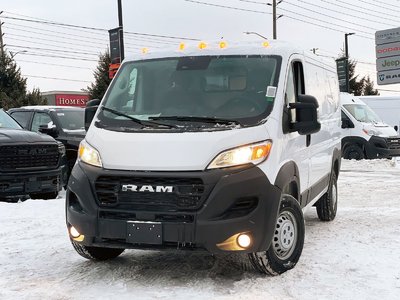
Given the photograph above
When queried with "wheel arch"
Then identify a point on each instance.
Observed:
(288, 180)
(354, 140)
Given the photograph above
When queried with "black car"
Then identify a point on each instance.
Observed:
(65, 124)
(30, 163)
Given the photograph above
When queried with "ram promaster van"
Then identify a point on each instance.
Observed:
(213, 147)
(364, 133)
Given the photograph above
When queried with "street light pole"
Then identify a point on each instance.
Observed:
(346, 45)
(346, 53)
(256, 33)
(274, 19)
(121, 30)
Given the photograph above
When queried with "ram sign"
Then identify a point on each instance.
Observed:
(388, 56)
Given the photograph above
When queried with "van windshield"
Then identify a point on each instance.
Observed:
(362, 113)
(196, 91)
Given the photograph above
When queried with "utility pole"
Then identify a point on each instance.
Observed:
(346, 53)
(1, 39)
(274, 19)
(121, 31)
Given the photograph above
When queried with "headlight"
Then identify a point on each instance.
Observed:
(61, 148)
(371, 132)
(254, 153)
(89, 155)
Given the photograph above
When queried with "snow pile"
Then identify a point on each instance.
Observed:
(356, 256)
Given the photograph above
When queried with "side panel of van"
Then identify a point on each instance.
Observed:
(322, 84)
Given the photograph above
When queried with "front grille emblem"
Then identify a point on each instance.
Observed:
(147, 188)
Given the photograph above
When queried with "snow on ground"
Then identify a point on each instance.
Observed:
(357, 256)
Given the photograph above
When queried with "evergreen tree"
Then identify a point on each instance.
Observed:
(12, 85)
(356, 86)
(34, 98)
(362, 86)
(13, 91)
(369, 87)
(97, 89)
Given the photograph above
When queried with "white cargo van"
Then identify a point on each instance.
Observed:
(386, 107)
(364, 133)
(213, 147)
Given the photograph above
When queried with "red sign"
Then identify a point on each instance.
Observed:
(71, 100)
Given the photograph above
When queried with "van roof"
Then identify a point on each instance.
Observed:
(347, 98)
(257, 47)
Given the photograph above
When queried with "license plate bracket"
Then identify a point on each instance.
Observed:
(149, 233)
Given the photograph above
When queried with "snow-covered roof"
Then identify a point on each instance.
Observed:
(259, 47)
(50, 107)
(347, 98)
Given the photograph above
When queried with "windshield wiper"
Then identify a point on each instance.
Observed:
(138, 121)
(197, 119)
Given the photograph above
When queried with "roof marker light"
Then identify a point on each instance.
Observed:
(265, 44)
(202, 45)
(182, 46)
(145, 50)
(222, 45)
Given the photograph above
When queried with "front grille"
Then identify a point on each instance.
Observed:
(26, 157)
(188, 194)
(393, 143)
(173, 218)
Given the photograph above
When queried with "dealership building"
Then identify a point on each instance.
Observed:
(66, 98)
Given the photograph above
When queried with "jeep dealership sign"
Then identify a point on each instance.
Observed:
(388, 56)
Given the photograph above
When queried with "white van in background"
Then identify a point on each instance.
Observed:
(213, 147)
(365, 135)
(386, 107)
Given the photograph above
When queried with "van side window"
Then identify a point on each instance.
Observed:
(40, 119)
(294, 86)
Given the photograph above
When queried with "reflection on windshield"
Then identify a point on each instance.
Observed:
(362, 113)
(72, 120)
(231, 88)
(7, 122)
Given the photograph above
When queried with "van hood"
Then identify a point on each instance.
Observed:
(8, 135)
(380, 129)
(183, 151)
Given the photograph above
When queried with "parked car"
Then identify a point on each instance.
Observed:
(364, 134)
(65, 124)
(217, 148)
(31, 164)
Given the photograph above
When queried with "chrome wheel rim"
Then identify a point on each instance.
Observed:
(285, 236)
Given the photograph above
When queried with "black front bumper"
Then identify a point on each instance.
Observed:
(232, 201)
(17, 184)
(381, 147)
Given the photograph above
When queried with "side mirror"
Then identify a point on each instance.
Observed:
(346, 123)
(306, 115)
(90, 111)
(52, 131)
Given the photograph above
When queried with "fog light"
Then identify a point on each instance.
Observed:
(74, 233)
(244, 240)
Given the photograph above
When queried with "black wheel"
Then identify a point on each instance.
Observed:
(287, 242)
(44, 196)
(96, 253)
(353, 152)
(327, 204)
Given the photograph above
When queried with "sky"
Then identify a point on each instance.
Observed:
(53, 57)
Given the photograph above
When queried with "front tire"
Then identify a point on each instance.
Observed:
(327, 204)
(96, 253)
(287, 242)
(353, 152)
